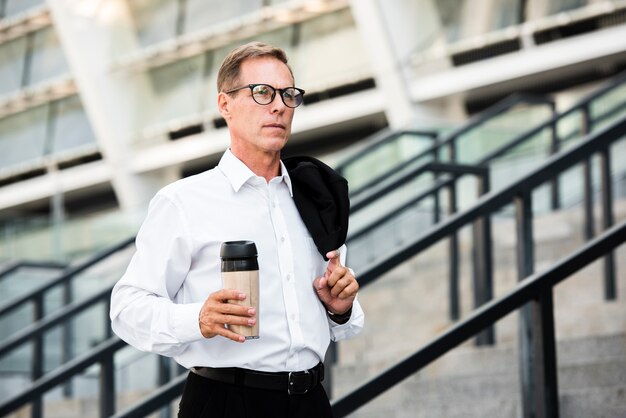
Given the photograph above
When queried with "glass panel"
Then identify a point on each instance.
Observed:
(155, 20)
(201, 14)
(23, 281)
(384, 157)
(14, 7)
(557, 6)
(520, 160)
(48, 60)
(321, 58)
(569, 129)
(506, 14)
(11, 65)
(71, 126)
(608, 107)
(497, 131)
(178, 89)
(22, 136)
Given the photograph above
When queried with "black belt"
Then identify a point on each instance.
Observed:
(294, 383)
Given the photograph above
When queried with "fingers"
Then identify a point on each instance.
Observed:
(333, 261)
(344, 288)
(221, 309)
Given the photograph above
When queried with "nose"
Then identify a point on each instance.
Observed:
(277, 105)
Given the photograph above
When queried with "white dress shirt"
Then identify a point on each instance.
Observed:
(156, 304)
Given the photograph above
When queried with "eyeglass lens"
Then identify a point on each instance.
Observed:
(264, 94)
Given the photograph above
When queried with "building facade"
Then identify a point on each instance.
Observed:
(103, 102)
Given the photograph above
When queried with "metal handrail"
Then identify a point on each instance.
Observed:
(495, 200)
(477, 120)
(380, 139)
(30, 264)
(439, 185)
(488, 314)
(103, 352)
(403, 178)
(65, 277)
(448, 140)
(154, 401)
(36, 329)
(520, 192)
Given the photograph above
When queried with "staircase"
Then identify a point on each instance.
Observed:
(404, 311)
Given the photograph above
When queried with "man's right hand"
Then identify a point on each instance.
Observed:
(217, 312)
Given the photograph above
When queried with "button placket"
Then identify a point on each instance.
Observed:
(286, 261)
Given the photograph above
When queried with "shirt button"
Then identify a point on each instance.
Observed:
(288, 277)
(282, 239)
(293, 317)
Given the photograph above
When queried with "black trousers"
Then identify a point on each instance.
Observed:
(206, 398)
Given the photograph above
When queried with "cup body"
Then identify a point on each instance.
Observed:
(240, 271)
(248, 283)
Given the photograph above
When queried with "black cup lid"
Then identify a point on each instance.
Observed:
(238, 249)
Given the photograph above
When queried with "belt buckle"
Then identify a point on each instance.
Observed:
(296, 385)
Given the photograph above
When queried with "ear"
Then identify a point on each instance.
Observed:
(223, 105)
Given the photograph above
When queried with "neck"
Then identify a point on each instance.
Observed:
(263, 164)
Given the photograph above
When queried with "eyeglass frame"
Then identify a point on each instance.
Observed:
(281, 91)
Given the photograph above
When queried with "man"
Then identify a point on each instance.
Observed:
(170, 300)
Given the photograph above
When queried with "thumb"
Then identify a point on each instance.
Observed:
(322, 290)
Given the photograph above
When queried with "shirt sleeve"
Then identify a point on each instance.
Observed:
(143, 308)
(357, 317)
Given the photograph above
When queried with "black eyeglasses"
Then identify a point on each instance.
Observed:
(264, 94)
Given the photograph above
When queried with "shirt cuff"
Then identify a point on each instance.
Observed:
(350, 328)
(185, 322)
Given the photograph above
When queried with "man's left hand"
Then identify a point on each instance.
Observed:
(338, 287)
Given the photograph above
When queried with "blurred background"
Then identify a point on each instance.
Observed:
(103, 102)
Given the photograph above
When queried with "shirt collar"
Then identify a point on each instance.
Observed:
(239, 174)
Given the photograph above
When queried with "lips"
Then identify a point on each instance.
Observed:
(274, 125)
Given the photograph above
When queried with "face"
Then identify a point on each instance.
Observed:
(256, 128)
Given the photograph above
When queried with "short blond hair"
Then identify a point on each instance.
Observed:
(228, 73)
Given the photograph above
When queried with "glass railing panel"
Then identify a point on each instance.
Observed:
(137, 375)
(383, 157)
(46, 240)
(383, 240)
(388, 202)
(618, 173)
(520, 160)
(474, 144)
(75, 337)
(609, 107)
(23, 281)
(404, 220)
(15, 371)
(569, 129)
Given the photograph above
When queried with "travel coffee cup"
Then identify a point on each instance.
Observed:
(240, 271)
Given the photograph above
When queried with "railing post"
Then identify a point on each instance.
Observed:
(437, 199)
(536, 328)
(66, 336)
(610, 288)
(525, 267)
(587, 179)
(554, 148)
(37, 356)
(453, 246)
(107, 386)
(453, 259)
(483, 263)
